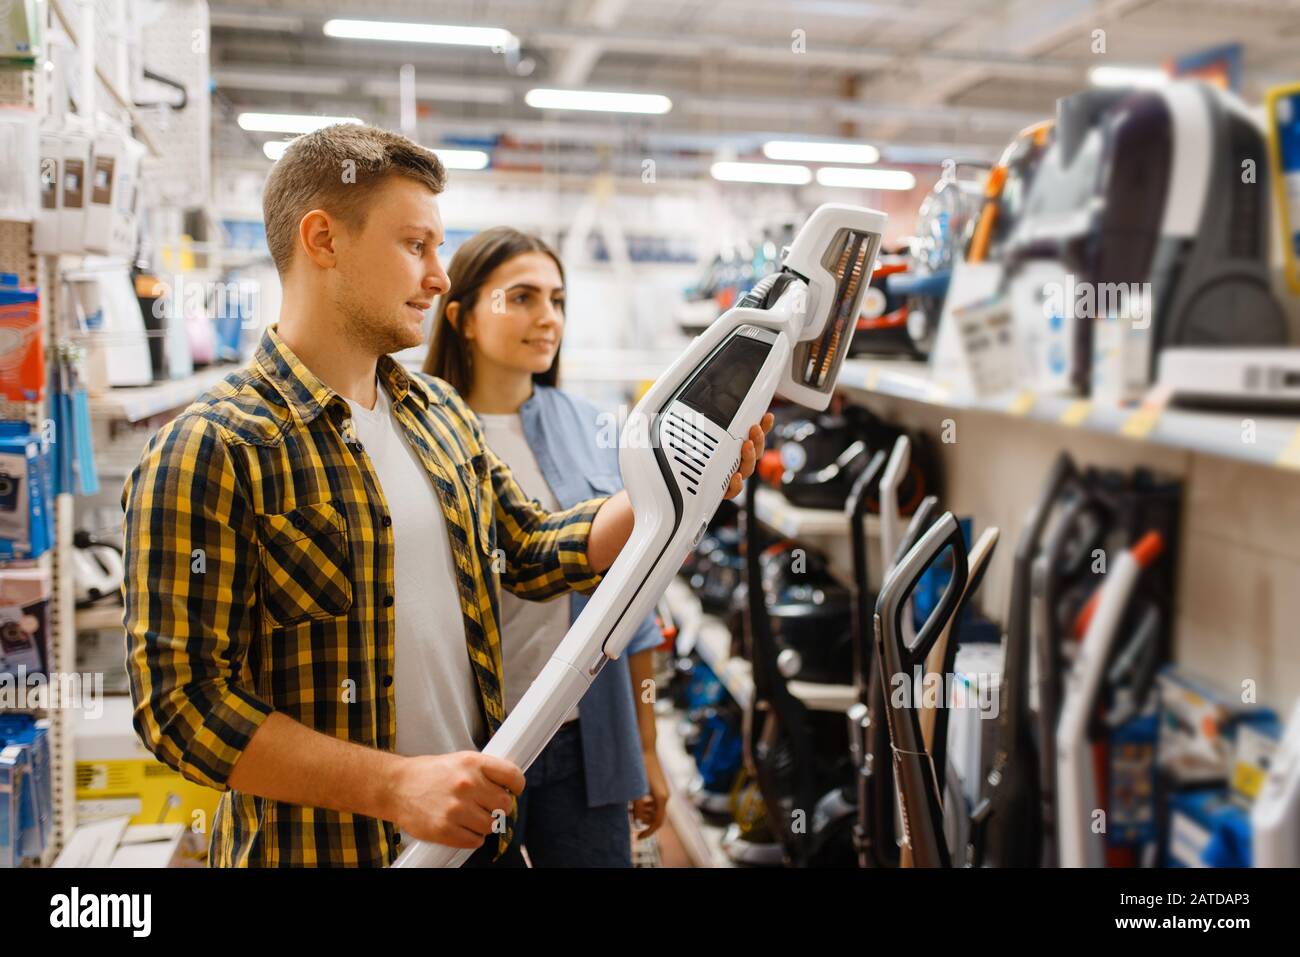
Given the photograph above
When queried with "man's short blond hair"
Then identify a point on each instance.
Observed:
(335, 169)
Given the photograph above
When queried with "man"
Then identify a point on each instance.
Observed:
(271, 652)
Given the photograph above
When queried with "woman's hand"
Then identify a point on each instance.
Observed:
(649, 811)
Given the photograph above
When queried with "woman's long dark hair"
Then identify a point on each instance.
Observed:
(474, 262)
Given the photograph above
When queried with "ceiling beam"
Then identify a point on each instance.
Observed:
(579, 59)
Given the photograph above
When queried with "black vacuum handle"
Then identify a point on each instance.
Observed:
(865, 486)
(867, 483)
(921, 520)
(892, 601)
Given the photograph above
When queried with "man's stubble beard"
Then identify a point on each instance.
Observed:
(370, 328)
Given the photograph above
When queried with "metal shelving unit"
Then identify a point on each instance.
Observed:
(134, 404)
(24, 88)
(1276, 438)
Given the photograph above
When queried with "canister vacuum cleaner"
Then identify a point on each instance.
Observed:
(787, 337)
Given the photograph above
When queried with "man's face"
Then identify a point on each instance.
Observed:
(388, 271)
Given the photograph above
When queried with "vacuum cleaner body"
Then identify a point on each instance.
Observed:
(1123, 201)
(787, 337)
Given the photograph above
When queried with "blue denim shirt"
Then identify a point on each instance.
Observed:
(576, 450)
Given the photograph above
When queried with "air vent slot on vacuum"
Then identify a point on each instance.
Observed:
(690, 449)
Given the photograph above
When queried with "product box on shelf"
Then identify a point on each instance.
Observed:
(117, 776)
(25, 595)
(26, 529)
(22, 346)
(1198, 729)
(17, 805)
(33, 734)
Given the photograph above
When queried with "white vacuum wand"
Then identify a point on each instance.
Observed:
(1079, 844)
(681, 445)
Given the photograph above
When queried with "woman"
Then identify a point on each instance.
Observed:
(496, 339)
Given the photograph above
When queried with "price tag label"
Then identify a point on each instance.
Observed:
(1022, 403)
(1076, 412)
(1290, 457)
(1141, 423)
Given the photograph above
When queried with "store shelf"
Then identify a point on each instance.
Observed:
(823, 697)
(702, 841)
(1276, 438)
(777, 513)
(99, 618)
(134, 403)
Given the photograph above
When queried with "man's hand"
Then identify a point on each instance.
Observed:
(750, 452)
(450, 799)
(613, 523)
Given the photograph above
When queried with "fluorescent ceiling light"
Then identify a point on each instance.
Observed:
(274, 149)
(806, 152)
(421, 33)
(544, 99)
(462, 159)
(289, 122)
(761, 173)
(866, 178)
(1127, 76)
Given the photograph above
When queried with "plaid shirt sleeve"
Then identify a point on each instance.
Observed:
(190, 594)
(545, 552)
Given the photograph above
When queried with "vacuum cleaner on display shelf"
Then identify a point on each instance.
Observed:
(788, 336)
(876, 832)
(1080, 844)
(798, 759)
(1140, 233)
(1005, 826)
(915, 740)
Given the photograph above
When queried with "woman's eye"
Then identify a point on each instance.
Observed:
(418, 247)
(559, 304)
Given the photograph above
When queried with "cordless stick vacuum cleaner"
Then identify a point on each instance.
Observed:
(1080, 845)
(868, 732)
(914, 774)
(858, 716)
(1065, 559)
(891, 523)
(787, 337)
(933, 717)
(1005, 826)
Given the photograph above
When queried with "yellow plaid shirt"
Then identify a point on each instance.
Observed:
(259, 578)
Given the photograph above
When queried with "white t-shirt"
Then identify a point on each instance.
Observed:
(437, 698)
(530, 630)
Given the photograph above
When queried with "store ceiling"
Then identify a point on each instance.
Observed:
(920, 78)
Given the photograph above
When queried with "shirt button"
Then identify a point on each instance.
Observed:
(397, 838)
(358, 447)
(388, 681)
(388, 601)
(299, 522)
(388, 520)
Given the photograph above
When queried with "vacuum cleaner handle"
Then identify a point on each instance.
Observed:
(890, 482)
(914, 774)
(867, 483)
(864, 486)
(1007, 827)
(1078, 844)
(904, 579)
(922, 518)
